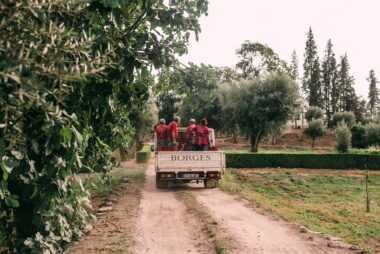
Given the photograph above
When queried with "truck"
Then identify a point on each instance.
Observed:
(176, 165)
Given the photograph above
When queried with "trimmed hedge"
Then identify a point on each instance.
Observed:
(323, 161)
(143, 155)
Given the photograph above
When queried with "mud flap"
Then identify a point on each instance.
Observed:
(211, 183)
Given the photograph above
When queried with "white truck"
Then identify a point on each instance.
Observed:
(177, 165)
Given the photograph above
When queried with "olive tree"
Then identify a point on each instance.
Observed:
(343, 137)
(314, 113)
(345, 116)
(261, 103)
(314, 130)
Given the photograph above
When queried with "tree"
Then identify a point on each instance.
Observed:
(311, 76)
(330, 91)
(260, 104)
(71, 74)
(347, 117)
(348, 96)
(294, 70)
(373, 94)
(372, 131)
(358, 137)
(199, 97)
(314, 130)
(343, 137)
(314, 113)
(256, 60)
(315, 89)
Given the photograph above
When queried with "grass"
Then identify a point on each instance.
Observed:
(328, 201)
(222, 243)
(100, 187)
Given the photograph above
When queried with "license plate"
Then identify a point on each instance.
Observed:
(190, 175)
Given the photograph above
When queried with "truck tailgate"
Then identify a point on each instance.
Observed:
(190, 161)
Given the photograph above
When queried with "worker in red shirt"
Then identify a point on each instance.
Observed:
(173, 131)
(202, 140)
(162, 133)
(190, 135)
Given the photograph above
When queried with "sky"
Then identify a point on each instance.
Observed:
(352, 25)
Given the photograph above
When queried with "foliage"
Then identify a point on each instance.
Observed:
(313, 113)
(358, 138)
(372, 132)
(329, 83)
(311, 81)
(261, 104)
(143, 155)
(256, 60)
(346, 117)
(199, 97)
(315, 129)
(348, 97)
(343, 138)
(373, 94)
(302, 160)
(74, 79)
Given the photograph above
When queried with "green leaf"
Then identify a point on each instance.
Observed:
(67, 135)
(12, 201)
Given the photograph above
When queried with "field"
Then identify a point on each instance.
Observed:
(327, 201)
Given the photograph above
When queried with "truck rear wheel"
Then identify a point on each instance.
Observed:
(211, 183)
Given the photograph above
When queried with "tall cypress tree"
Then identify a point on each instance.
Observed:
(315, 91)
(294, 70)
(346, 86)
(310, 71)
(373, 94)
(328, 82)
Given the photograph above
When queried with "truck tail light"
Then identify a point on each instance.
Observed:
(167, 175)
(214, 174)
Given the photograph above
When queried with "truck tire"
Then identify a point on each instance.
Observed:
(159, 184)
(211, 183)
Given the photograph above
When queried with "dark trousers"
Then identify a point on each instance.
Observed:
(200, 147)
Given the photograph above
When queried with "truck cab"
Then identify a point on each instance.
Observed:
(174, 164)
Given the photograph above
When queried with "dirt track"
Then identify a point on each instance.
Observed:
(165, 227)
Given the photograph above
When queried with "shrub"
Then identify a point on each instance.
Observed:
(358, 136)
(343, 137)
(372, 131)
(314, 113)
(317, 161)
(347, 117)
(143, 155)
(316, 129)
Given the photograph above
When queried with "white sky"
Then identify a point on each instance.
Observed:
(352, 25)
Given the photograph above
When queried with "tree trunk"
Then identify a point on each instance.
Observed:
(312, 143)
(122, 152)
(255, 140)
(234, 138)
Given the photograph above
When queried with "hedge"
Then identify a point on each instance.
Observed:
(323, 161)
(143, 155)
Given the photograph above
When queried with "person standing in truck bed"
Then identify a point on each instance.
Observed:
(190, 135)
(173, 131)
(162, 132)
(202, 140)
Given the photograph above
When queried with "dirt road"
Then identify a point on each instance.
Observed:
(165, 226)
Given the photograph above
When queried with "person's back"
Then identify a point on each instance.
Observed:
(162, 132)
(173, 131)
(190, 135)
(202, 136)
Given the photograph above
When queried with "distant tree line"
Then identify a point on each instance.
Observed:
(328, 84)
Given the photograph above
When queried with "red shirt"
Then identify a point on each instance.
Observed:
(190, 132)
(173, 126)
(201, 133)
(162, 131)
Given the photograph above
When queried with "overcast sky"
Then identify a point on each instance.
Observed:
(352, 25)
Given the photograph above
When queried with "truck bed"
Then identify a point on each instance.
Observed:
(177, 161)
